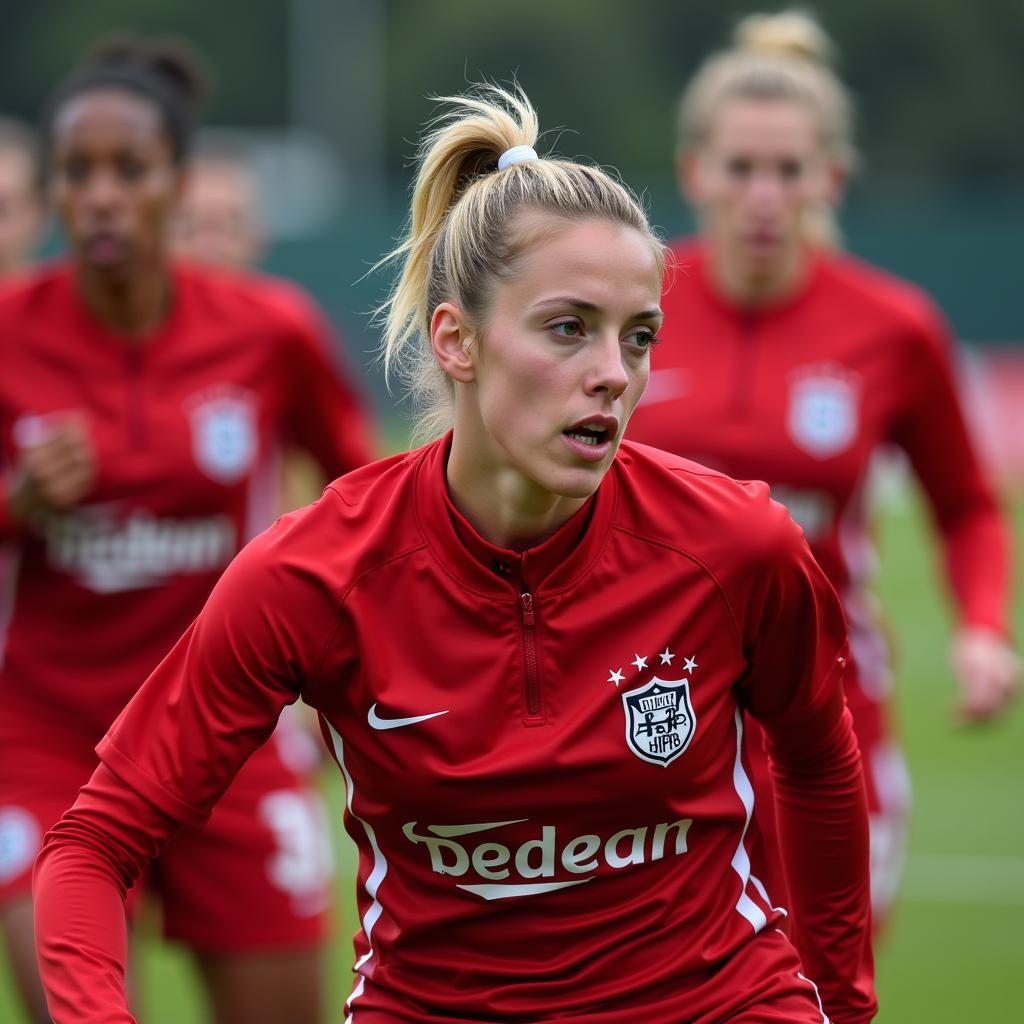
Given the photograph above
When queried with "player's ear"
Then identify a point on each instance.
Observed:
(451, 339)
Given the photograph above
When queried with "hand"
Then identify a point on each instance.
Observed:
(989, 673)
(56, 466)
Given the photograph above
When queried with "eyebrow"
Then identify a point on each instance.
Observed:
(589, 307)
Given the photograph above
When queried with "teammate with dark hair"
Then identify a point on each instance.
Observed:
(143, 408)
(531, 649)
(790, 362)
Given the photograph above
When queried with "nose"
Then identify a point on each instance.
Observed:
(608, 373)
(102, 191)
(765, 188)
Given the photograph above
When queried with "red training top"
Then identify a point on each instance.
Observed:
(187, 424)
(541, 751)
(801, 394)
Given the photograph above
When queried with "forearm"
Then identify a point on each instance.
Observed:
(823, 826)
(89, 860)
(81, 936)
(978, 557)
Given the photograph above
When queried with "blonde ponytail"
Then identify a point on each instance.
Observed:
(461, 240)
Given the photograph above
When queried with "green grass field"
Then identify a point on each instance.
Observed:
(955, 951)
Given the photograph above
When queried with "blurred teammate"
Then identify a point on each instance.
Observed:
(21, 223)
(789, 362)
(21, 201)
(529, 650)
(142, 411)
(219, 220)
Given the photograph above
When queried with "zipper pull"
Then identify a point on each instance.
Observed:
(527, 600)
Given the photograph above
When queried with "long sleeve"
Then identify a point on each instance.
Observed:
(822, 819)
(933, 432)
(795, 637)
(91, 857)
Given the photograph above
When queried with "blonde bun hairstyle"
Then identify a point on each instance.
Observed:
(786, 56)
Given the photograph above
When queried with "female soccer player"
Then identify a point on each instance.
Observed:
(789, 362)
(142, 408)
(530, 650)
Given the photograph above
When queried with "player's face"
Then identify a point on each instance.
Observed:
(217, 220)
(562, 359)
(755, 179)
(114, 181)
(20, 209)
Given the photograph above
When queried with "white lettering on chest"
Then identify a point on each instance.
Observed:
(109, 555)
(533, 866)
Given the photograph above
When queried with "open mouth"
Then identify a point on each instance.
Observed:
(589, 435)
(592, 437)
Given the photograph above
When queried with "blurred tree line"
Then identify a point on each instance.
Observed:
(938, 82)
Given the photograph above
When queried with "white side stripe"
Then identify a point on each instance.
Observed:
(759, 886)
(817, 995)
(380, 869)
(740, 859)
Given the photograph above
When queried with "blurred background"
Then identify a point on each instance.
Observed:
(325, 97)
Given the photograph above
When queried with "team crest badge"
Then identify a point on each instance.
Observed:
(659, 720)
(823, 413)
(224, 438)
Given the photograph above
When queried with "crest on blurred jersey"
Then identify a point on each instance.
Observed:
(659, 720)
(822, 418)
(224, 437)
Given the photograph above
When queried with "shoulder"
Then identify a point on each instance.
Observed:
(899, 304)
(721, 522)
(361, 521)
(272, 302)
(25, 294)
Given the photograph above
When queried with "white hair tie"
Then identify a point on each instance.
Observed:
(516, 155)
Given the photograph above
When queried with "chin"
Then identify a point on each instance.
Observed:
(578, 483)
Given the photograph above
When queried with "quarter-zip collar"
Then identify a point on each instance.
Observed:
(555, 564)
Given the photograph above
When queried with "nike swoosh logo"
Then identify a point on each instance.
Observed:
(377, 722)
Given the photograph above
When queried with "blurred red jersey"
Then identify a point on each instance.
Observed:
(542, 752)
(802, 394)
(186, 424)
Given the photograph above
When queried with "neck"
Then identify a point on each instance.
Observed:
(753, 286)
(132, 306)
(502, 506)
